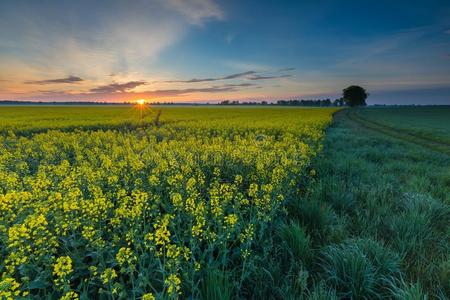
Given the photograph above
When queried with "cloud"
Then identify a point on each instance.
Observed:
(196, 11)
(122, 92)
(117, 87)
(195, 80)
(112, 36)
(70, 79)
(237, 75)
(259, 77)
(286, 69)
(179, 92)
(239, 85)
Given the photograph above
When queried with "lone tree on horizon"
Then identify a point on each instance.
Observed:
(355, 96)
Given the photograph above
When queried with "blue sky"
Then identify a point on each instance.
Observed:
(206, 50)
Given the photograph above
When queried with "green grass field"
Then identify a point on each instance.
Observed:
(431, 123)
(389, 198)
(224, 203)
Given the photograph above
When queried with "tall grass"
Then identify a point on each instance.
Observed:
(377, 219)
(360, 269)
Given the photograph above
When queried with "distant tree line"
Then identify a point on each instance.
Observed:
(352, 96)
(309, 102)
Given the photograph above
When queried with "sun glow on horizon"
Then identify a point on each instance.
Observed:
(140, 101)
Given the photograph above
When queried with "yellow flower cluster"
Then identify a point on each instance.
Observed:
(148, 296)
(231, 220)
(161, 236)
(108, 275)
(62, 270)
(9, 288)
(126, 259)
(111, 209)
(70, 296)
(173, 283)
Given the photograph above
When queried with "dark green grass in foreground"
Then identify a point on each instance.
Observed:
(374, 223)
(387, 192)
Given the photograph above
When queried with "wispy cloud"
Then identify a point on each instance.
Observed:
(117, 87)
(69, 79)
(195, 80)
(180, 92)
(261, 77)
(237, 75)
(245, 75)
(196, 11)
(286, 69)
(239, 85)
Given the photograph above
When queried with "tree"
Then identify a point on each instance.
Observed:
(338, 102)
(355, 96)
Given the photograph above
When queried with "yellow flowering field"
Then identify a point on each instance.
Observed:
(96, 203)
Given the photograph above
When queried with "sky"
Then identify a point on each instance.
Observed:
(212, 50)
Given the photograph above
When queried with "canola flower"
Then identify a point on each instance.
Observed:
(70, 296)
(124, 209)
(62, 270)
(9, 288)
(63, 266)
(148, 296)
(173, 283)
(108, 276)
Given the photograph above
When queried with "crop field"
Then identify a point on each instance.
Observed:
(35, 119)
(98, 202)
(117, 202)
